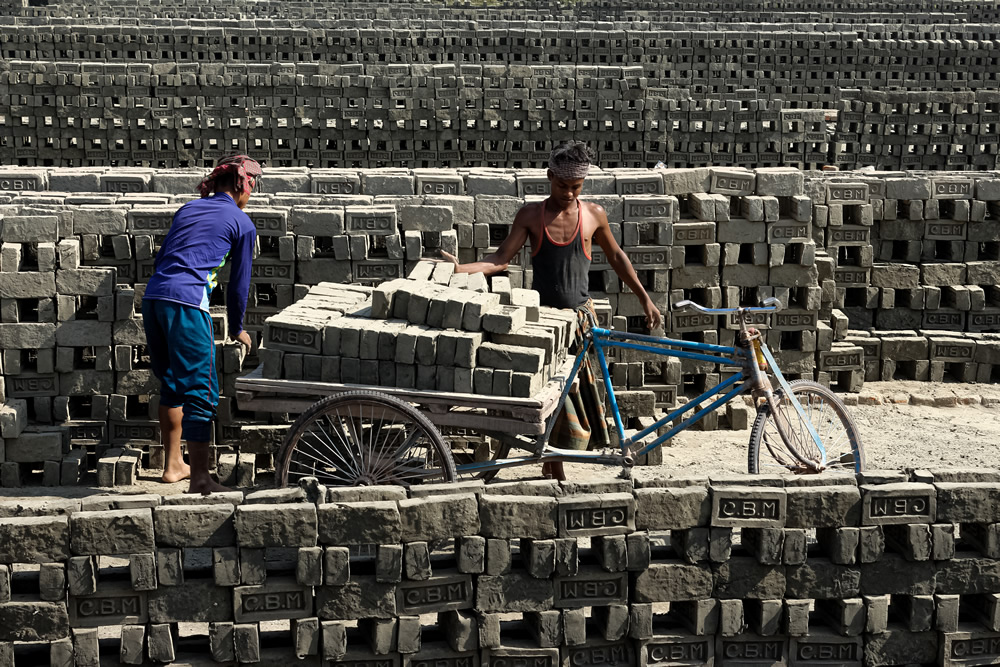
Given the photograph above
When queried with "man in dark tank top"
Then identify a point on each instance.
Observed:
(562, 230)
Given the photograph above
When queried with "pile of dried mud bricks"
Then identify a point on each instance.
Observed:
(420, 333)
(381, 84)
(888, 568)
(546, 12)
(883, 276)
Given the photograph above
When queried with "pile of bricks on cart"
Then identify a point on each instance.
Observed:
(360, 93)
(421, 332)
(888, 568)
(883, 276)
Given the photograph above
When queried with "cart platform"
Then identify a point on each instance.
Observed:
(514, 416)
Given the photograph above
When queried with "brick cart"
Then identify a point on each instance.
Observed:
(384, 370)
(379, 411)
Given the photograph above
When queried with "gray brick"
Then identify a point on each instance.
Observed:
(509, 357)
(437, 517)
(112, 532)
(387, 183)
(31, 229)
(34, 539)
(103, 221)
(672, 508)
(352, 523)
(27, 285)
(194, 526)
(425, 218)
(285, 525)
(513, 517)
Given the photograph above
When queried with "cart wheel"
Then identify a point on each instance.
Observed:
(363, 438)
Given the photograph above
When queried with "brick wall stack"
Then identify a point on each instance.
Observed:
(918, 286)
(790, 11)
(372, 115)
(887, 569)
(883, 275)
(476, 88)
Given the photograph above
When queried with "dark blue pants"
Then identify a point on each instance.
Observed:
(182, 351)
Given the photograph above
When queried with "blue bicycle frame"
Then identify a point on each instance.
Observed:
(600, 338)
(732, 387)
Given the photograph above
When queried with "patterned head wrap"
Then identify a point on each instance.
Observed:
(246, 169)
(568, 168)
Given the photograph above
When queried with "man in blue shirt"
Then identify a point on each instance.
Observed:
(205, 234)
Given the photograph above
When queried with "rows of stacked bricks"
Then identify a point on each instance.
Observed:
(362, 92)
(884, 569)
(883, 276)
(782, 11)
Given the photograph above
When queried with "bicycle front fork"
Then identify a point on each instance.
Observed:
(762, 388)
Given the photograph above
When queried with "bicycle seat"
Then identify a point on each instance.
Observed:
(768, 305)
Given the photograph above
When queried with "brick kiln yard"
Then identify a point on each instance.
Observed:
(903, 424)
(871, 292)
(392, 130)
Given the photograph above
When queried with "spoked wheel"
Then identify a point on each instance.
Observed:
(362, 438)
(828, 416)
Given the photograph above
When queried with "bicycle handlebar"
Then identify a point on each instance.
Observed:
(768, 305)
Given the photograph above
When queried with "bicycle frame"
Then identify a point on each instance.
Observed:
(751, 378)
(604, 338)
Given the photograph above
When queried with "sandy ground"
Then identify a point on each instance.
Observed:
(895, 436)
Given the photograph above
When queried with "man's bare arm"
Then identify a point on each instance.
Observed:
(622, 266)
(497, 261)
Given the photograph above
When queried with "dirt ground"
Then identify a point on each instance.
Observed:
(895, 436)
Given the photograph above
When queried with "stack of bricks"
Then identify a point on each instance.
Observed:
(468, 89)
(424, 333)
(43, 453)
(918, 130)
(683, 11)
(372, 115)
(916, 273)
(883, 276)
(686, 570)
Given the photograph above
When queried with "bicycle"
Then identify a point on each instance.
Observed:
(368, 435)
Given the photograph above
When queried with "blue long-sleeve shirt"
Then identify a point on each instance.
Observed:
(204, 235)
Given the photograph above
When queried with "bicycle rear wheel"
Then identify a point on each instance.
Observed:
(364, 438)
(828, 416)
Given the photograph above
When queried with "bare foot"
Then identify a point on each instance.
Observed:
(205, 486)
(176, 474)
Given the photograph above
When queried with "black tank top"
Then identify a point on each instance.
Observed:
(560, 271)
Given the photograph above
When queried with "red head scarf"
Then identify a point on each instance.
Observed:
(246, 169)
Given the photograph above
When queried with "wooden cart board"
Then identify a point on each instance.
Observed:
(525, 416)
